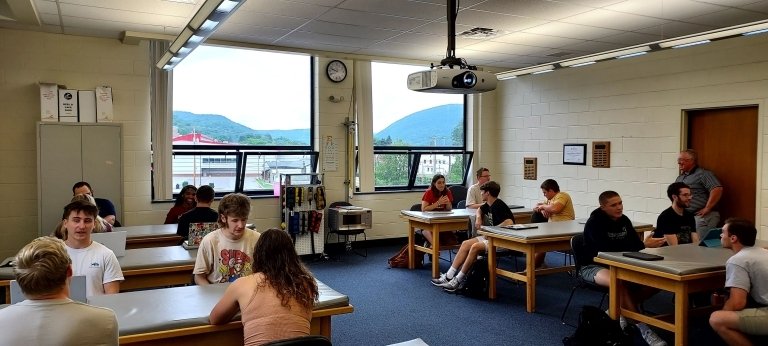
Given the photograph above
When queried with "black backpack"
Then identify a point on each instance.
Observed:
(596, 328)
(476, 282)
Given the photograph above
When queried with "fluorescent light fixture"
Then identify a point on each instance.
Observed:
(755, 32)
(583, 64)
(520, 72)
(619, 53)
(692, 44)
(544, 71)
(630, 55)
(202, 25)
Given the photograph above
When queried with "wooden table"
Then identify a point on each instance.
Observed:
(142, 268)
(548, 236)
(157, 267)
(182, 318)
(685, 269)
(456, 220)
(150, 236)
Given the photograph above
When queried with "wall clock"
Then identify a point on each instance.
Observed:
(336, 71)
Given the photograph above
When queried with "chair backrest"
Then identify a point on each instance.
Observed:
(309, 340)
(340, 204)
(462, 204)
(579, 249)
(416, 207)
(459, 193)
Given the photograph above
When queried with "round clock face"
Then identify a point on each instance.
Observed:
(336, 71)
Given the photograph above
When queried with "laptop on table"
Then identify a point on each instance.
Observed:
(196, 233)
(115, 241)
(712, 239)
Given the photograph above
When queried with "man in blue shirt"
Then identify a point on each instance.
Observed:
(106, 208)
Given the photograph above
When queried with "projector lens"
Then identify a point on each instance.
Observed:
(469, 79)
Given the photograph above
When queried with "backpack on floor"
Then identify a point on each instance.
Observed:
(476, 283)
(400, 259)
(596, 328)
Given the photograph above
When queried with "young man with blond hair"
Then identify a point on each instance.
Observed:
(48, 317)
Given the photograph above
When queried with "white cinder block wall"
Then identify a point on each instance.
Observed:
(636, 104)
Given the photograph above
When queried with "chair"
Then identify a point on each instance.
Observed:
(578, 248)
(309, 340)
(462, 204)
(347, 232)
(459, 193)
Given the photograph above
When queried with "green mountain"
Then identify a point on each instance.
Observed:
(220, 127)
(429, 127)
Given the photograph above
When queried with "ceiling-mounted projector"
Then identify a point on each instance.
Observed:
(453, 75)
(452, 81)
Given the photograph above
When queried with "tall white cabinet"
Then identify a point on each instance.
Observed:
(72, 152)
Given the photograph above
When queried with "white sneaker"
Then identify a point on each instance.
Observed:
(441, 280)
(453, 285)
(650, 336)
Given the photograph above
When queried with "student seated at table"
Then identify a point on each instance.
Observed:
(48, 316)
(746, 277)
(106, 207)
(96, 262)
(185, 202)
(201, 213)
(495, 213)
(676, 224)
(276, 301)
(226, 254)
(437, 198)
(609, 230)
(99, 226)
(558, 207)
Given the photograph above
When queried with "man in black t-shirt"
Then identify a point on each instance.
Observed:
(676, 224)
(493, 212)
(201, 213)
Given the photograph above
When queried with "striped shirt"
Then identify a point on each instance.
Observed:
(701, 181)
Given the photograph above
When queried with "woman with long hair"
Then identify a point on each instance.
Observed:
(276, 301)
(436, 198)
(185, 202)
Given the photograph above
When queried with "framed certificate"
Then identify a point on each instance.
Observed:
(575, 154)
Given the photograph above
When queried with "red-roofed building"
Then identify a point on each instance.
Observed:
(195, 138)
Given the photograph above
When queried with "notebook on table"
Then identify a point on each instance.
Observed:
(712, 239)
(115, 241)
(197, 231)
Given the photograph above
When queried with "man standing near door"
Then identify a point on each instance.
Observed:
(706, 190)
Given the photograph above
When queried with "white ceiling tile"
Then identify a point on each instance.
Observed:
(592, 46)
(507, 48)
(535, 40)
(380, 21)
(760, 6)
(257, 32)
(676, 9)
(72, 24)
(728, 2)
(674, 29)
(572, 31)
(727, 18)
(345, 41)
(539, 9)
(168, 8)
(285, 8)
(264, 20)
(314, 45)
(440, 28)
(46, 7)
(49, 19)
(626, 39)
(106, 14)
(497, 21)
(613, 20)
(405, 8)
(329, 28)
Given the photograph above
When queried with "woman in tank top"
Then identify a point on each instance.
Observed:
(276, 301)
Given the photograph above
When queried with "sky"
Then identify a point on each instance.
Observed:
(263, 90)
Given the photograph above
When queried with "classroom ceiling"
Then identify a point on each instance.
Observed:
(530, 32)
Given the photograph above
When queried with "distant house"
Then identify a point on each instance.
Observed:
(272, 169)
(195, 138)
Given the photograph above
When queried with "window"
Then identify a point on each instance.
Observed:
(239, 131)
(416, 135)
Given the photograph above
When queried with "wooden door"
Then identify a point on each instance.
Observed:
(726, 142)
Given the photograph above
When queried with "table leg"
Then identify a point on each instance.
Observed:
(681, 314)
(530, 285)
(435, 251)
(613, 294)
(411, 242)
(491, 269)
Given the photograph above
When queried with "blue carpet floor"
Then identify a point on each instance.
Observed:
(395, 305)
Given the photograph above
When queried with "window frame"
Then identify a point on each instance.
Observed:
(241, 152)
